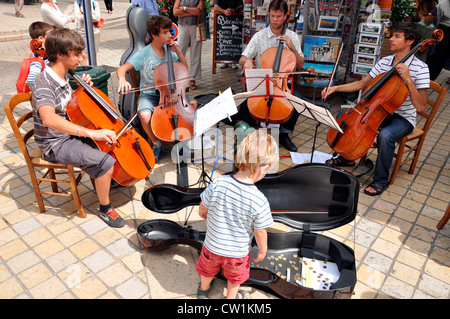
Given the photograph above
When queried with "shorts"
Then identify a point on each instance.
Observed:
(236, 270)
(83, 153)
(147, 102)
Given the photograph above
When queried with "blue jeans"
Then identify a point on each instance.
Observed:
(393, 127)
(147, 101)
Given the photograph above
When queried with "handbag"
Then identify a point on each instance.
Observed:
(100, 23)
(200, 30)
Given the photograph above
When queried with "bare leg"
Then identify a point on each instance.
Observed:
(205, 282)
(103, 185)
(232, 290)
(146, 118)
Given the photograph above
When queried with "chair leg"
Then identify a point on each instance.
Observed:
(398, 160)
(75, 194)
(37, 190)
(444, 219)
(416, 156)
(51, 173)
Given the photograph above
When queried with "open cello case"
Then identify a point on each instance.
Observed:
(308, 198)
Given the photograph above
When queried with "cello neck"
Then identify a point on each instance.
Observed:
(95, 96)
(170, 71)
(277, 61)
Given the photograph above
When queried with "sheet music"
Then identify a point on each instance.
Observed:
(318, 157)
(320, 114)
(221, 107)
(256, 82)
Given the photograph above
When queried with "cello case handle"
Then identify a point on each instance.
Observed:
(261, 282)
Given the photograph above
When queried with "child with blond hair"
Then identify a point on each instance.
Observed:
(235, 211)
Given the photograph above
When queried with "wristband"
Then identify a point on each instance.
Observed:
(78, 131)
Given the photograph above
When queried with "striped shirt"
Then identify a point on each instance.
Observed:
(235, 209)
(35, 69)
(265, 39)
(49, 90)
(420, 75)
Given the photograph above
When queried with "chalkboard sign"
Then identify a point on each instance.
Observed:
(227, 38)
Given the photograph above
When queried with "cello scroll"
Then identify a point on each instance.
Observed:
(438, 35)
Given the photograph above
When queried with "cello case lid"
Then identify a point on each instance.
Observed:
(311, 197)
(308, 197)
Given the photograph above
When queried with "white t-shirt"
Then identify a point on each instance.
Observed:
(235, 209)
(265, 39)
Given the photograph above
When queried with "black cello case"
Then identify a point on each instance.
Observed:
(137, 30)
(307, 197)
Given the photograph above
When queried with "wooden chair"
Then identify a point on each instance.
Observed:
(413, 142)
(444, 219)
(417, 135)
(23, 129)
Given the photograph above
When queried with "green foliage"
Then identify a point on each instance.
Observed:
(401, 10)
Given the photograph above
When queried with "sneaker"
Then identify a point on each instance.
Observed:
(157, 152)
(224, 66)
(234, 66)
(112, 218)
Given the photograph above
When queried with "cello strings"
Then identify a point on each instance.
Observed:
(137, 89)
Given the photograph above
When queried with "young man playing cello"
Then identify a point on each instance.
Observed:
(269, 38)
(146, 60)
(60, 140)
(414, 73)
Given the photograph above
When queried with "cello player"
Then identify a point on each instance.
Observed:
(146, 60)
(415, 75)
(60, 140)
(268, 38)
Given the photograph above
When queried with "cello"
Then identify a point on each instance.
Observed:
(91, 108)
(173, 119)
(384, 94)
(275, 108)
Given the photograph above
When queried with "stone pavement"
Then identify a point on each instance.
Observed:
(56, 254)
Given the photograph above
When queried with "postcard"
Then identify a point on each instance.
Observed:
(374, 28)
(367, 38)
(328, 23)
(365, 59)
(323, 49)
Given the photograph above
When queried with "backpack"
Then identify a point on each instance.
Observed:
(21, 84)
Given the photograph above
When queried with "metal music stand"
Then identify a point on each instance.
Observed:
(238, 99)
(216, 157)
(320, 114)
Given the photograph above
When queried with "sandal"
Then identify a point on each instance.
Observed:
(241, 295)
(379, 189)
(203, 294)
(340, 161)
(193, 86)
(20, 15)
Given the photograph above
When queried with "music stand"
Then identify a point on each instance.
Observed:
(211, 114)
(317, 113)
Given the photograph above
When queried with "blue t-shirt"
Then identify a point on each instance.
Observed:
(145, 61)
(235, 209)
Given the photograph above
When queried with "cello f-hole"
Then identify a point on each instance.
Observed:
(363, 118)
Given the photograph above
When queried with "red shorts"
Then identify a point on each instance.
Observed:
(236, 270)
